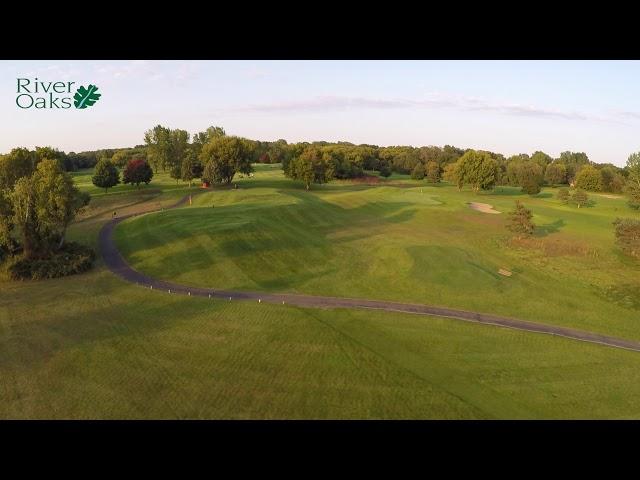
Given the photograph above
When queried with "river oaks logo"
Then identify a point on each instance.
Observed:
(34, 93)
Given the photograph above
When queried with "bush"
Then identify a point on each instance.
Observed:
(72, 258)
(628, 235)
(563, 195)
(520, 220)
(580, 198)
(385, 170)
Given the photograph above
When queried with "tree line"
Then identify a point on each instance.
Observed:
(215, 157)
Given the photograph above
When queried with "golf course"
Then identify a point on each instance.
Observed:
(95, 345)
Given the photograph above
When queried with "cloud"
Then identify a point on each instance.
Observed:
(434, 101)
(175, 72)
(256, 72)
(55, 71)
(324, 103)
(632, 115)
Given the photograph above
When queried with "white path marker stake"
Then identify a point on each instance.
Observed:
(259, 300)
(229, 298)
(189, 293)
(151, 287)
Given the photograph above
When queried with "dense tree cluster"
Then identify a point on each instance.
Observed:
(311, 166)
(121, 157)
(185, 158)
(223, 157)
(38, 201)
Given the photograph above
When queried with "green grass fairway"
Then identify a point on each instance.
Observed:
(400, 241)
(93, 346)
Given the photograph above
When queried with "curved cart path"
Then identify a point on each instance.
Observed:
(116, 263)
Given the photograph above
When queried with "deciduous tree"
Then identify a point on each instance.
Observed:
(311, 166)
(477, 169)
(530, 177)
(191, 167)
(580, 198)
(223, 157)
(106, 175)
(18, 163)
(136, 172)
(433, 172)
(44, 205)
(589, 178)
(418, 171)
(556, 174)
(633, 179)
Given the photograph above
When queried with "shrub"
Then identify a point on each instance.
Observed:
(580, 198)
(520, 220)
(563, 195)
(385, 170)
(628, 235)
(72, 258)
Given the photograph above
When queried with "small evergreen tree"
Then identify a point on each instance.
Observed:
(520, 220)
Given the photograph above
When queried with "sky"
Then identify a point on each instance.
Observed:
(508, 107)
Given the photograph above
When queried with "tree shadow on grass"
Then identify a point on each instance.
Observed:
(41, 338)
(507, 191)
(543, 195)
(270, 235)
(548, 228)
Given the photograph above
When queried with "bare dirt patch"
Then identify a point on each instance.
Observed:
(482, 207)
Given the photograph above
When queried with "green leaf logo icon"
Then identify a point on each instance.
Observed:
(86, 96)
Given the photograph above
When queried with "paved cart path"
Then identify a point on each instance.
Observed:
(117, 264)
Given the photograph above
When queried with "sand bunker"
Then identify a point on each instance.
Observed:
(615, 197)
(483, 207)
